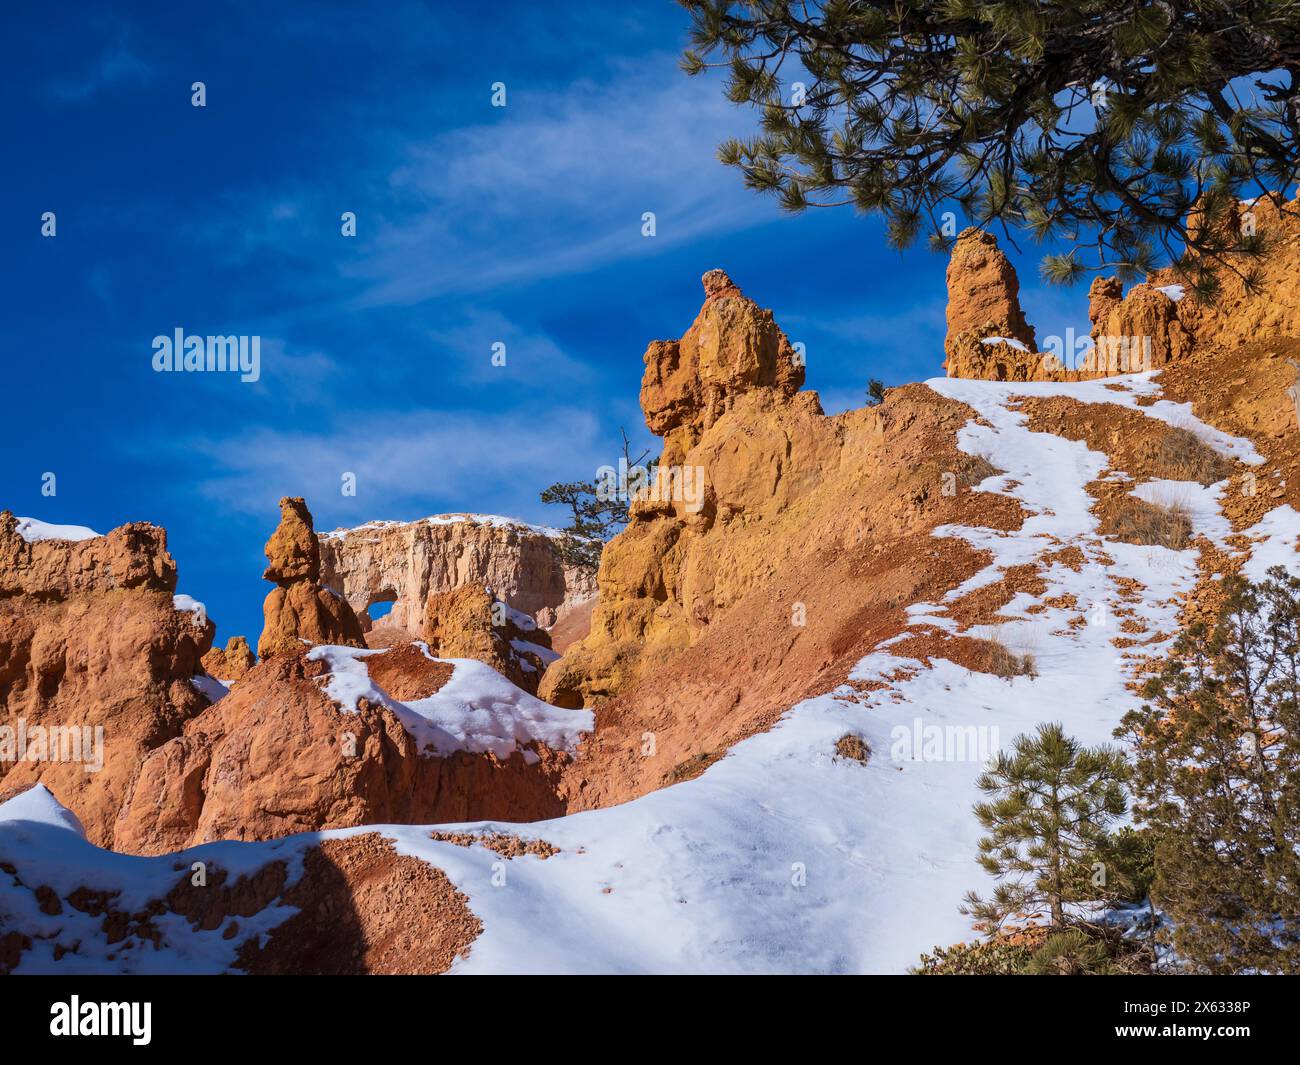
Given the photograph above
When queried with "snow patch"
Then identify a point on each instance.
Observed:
(546, 654)
(523, 622)
(214, 689)
(39, 835)
(33, 531)
(1274, 539)
(497, 521)
(477, 710)
(187, 604)
(1123, 390)
(1010, 341)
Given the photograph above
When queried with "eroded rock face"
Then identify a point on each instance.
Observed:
(278, 756)
(733, 365)
(1104, 295)
(406, 562)
(1154, 324)
(986, 359)
(299, 610)
(129, 557)
(292, 551)
(1239, 317)
(733, 349)
(989, 339)
(231, 662)
(1140, 332)
(469, 622)
(698, 631)
(983, 299)
(93, 652)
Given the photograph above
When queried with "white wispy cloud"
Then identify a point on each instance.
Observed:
(557, 183)
(116, 65)
(554, 184)
(405, 463)
(469, 338)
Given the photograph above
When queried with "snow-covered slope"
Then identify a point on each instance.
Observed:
(782, 857)
(46, 840)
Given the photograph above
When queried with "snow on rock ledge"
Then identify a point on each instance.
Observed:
(496, 521)
(477, 710)
(33, 530)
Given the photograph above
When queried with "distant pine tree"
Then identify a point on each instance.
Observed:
(592, 522)
(598, 508)
(1217, 780)
(1051, 802)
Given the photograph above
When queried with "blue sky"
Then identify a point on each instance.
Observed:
(475, 225)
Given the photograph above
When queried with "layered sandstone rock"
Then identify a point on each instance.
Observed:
(735, 361)
(992, 358)
(984, 302)
(406, 562)
(469, 622)
(1104, 295)
(231, 662)
(733, 349)
(300, 610)
(1140, 332)
(1154, 324)
(95, 662)
(1237, 316)
(811, 533)
(278, 755)
(989, 340)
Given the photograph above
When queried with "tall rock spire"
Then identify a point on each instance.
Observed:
(298, 610)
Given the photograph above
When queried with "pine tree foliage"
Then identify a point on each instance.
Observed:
(593, 521)
(1051, 801)
(598, 509)
(986, 957)
(1217, 780)
(1080, 950)
(1126, 129)
(1071, 952)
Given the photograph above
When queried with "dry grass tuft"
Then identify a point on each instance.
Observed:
(1002, 661)
(852, 746)
(692, 767)
(1135, 521)
(1184, 456)
(975, 468)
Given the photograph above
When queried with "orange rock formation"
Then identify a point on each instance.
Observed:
(299, 610)
(809, 537)
(95, 660)
(1156, 323)
(468, 622)
(232, 662)
(278, 756)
